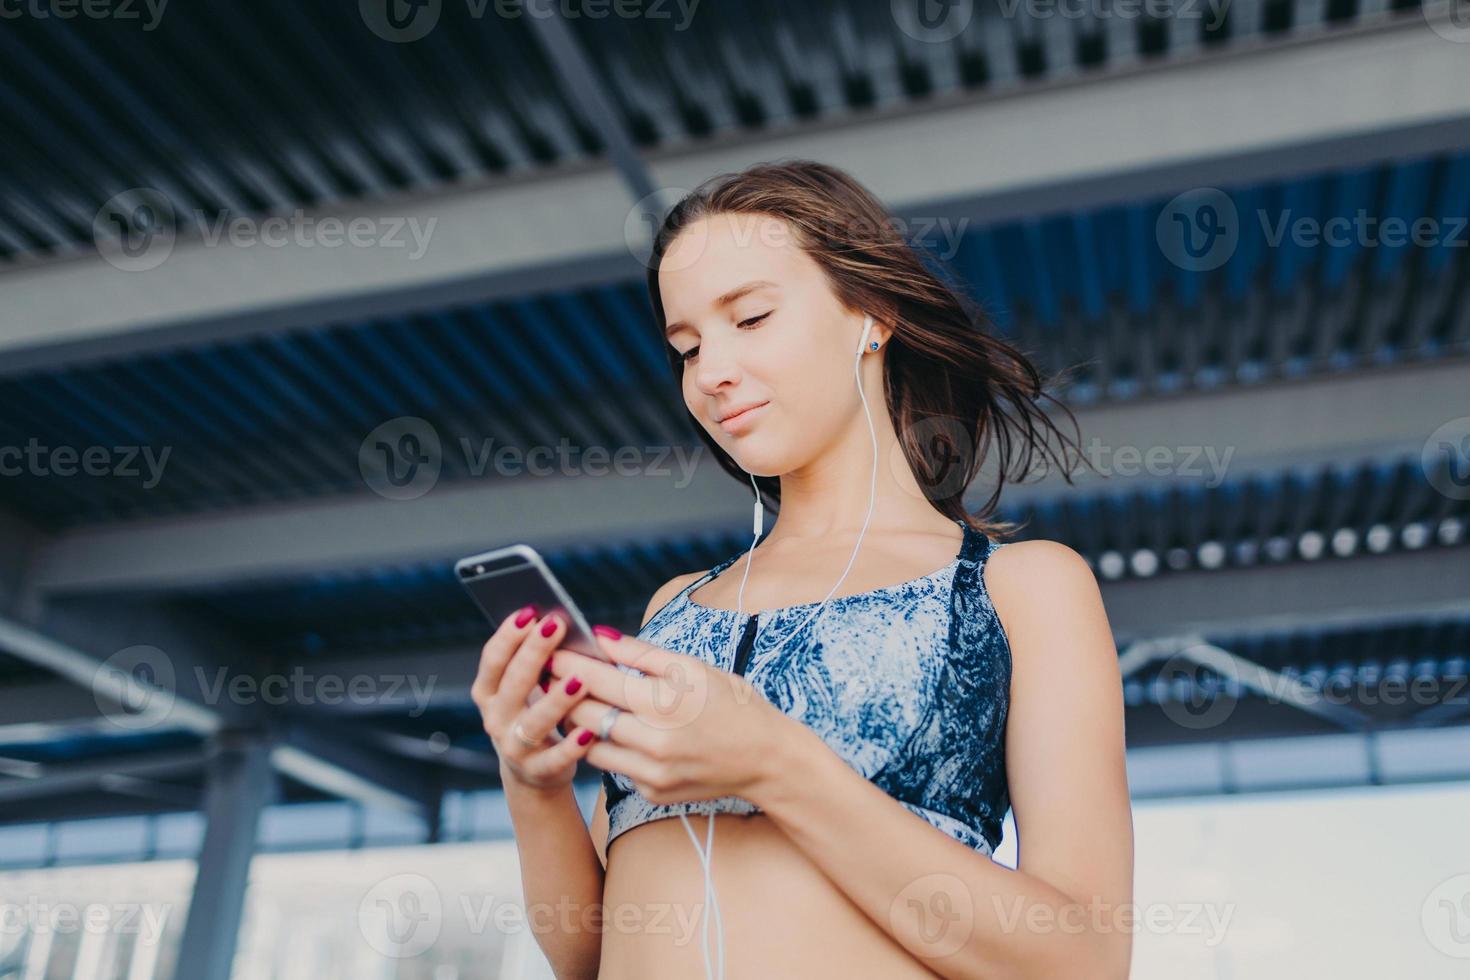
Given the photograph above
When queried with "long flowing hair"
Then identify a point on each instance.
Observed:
(955, 390)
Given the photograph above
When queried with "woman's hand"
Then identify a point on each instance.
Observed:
(688, 731)
(511, 663)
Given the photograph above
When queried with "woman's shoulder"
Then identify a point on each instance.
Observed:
(1035, 577)
(665, 593)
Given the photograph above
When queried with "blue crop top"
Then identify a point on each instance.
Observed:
(908, 683)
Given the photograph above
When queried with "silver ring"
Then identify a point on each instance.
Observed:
(520, 733)
(604, 728)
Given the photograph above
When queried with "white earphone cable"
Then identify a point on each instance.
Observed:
(712, 905)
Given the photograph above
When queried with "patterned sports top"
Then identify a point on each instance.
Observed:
(908, 683)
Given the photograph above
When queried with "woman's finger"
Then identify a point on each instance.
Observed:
(539, 719)
(640, 654)
(539, 638)
(548, 762)
(673, 699)
(611, 757)
(498, 650)
(607, 683)
(626, 728)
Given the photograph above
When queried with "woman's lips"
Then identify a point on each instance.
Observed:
(736, 424)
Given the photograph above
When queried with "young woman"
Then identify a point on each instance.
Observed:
(856, 748)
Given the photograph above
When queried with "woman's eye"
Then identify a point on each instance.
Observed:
(688, 355)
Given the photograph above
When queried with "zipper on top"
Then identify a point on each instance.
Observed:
(747, 641)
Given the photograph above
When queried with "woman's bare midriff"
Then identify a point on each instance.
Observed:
(783, 917)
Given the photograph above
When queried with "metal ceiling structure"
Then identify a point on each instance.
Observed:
(1302, 533)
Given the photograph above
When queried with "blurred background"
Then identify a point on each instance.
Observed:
(301, 302)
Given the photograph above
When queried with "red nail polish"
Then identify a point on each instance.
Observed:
(548, 627)
(573, 686)
(607, 631)
(525, 615)
(585, 737)
(546, 686)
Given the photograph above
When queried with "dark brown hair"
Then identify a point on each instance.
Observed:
(953, 388)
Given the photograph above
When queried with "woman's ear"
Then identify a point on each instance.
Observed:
(879, 334)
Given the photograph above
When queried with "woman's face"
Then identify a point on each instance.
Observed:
(757, 324)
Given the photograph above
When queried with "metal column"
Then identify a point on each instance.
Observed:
(241, 784)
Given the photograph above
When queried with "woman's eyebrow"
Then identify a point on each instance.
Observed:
(727, 299)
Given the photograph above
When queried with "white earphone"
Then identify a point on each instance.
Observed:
(757, 528)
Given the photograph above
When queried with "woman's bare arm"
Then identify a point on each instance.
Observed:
(563, 861)
(1065, 910)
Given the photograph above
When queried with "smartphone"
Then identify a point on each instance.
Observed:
(504, 580)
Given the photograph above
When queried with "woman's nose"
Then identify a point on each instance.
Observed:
(713, 368)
